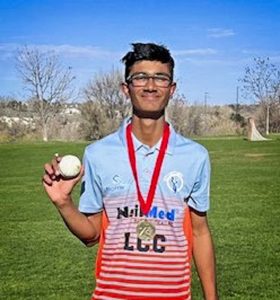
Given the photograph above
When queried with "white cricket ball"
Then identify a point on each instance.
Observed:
(69, 166)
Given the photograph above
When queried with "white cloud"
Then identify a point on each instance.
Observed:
(66, 50)
(195, 52)
(220, 32)
(8, 50)
(219, 62)
(80, 51)
(274, 56)
(8, 47)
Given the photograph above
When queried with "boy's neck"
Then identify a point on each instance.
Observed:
(148, 131)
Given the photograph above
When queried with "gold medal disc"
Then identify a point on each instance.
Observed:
(145, 230)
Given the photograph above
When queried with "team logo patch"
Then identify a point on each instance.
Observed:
(174, 181)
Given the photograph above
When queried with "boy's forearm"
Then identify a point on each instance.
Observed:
(78, 223)
(204, 256)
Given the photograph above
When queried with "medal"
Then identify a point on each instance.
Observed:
(145, 206)
(145, 230)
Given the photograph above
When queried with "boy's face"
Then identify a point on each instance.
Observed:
(154, 94)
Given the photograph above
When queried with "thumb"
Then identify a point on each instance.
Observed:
(81, 174)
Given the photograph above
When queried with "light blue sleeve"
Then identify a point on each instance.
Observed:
(91, 199)
(199, 197)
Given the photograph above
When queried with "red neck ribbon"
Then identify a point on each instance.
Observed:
(145, 206)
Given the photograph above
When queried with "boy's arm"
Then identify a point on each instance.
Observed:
(86, 227)
(203, 253)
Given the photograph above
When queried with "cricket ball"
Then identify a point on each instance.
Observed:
(69, 166)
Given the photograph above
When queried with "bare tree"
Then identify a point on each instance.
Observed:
(262, 81)
(47, 81)
(105, 89)
(177, 112)
(105, 105)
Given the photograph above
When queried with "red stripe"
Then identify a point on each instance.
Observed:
(144, 289)
(128, 254)
(158, 268)
(143, 282)
(150, 251)
(130, 297)
(145, 274)
(144, 262)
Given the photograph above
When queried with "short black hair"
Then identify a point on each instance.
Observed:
(148, 51)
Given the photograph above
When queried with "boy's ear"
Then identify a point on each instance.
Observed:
(172, 89)
(125, 89)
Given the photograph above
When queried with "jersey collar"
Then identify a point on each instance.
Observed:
(139, 145)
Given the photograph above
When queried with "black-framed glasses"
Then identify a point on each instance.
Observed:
(141, 79)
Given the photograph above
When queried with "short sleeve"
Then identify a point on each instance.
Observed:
(91, 200)
(199, 197)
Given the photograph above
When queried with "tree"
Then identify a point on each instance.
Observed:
(262, 81)
(47, 81)
(105, 105)
(177, 112)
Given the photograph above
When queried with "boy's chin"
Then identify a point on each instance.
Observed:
(148, 114)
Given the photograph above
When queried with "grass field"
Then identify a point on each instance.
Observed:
(41, 260)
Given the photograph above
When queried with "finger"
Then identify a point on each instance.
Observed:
(55, 162)
(78, 177)
(82, 172)
(47, 180)
(58, 157)
(49, 169)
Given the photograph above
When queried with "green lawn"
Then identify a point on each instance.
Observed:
(39, 259)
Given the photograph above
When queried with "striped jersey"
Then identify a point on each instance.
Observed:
(143, 257)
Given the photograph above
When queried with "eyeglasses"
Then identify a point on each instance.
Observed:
(141, 79)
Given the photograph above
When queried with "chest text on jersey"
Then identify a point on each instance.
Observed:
(155, 212)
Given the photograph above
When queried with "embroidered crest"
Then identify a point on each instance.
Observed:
(174, 181)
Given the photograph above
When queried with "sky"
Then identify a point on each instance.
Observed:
(212, 41)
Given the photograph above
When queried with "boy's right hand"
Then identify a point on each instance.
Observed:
(58, 188)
